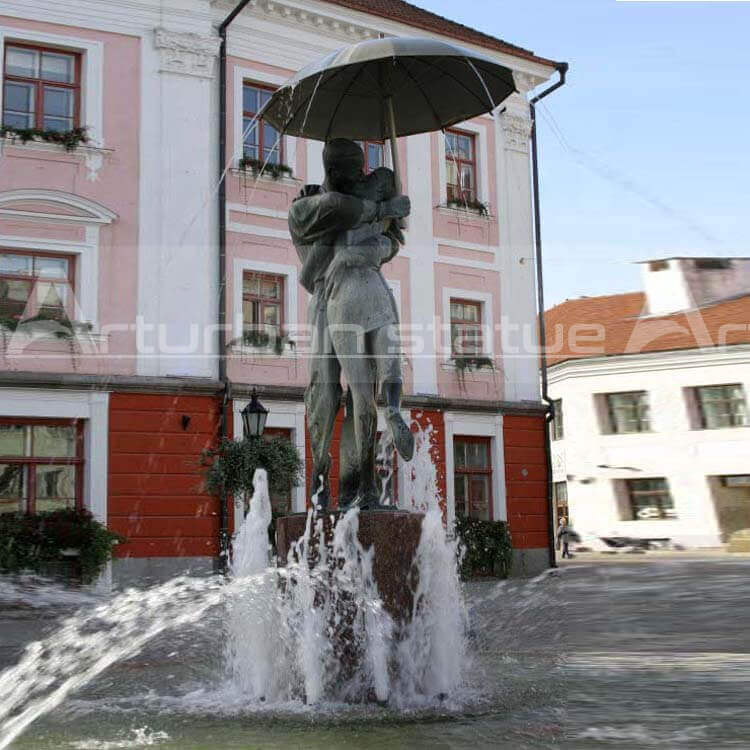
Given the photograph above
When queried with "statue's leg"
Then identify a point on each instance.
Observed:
(359, 370)
(348, 462)
(386, 349)
(322, 400)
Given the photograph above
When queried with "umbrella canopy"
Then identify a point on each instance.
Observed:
(427, 84)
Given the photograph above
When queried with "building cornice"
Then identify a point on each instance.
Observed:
(648, 362)
(211, 387)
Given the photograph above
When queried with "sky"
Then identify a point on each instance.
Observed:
(644, 152)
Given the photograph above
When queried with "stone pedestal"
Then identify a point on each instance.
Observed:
(395, 537)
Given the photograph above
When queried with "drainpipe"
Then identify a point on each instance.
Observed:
(562, 69)
(222, 334)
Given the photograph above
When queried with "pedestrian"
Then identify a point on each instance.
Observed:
(563, 537)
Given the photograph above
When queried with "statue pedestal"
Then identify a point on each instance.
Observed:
(395, 537)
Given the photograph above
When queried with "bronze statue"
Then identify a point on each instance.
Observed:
(344, 230)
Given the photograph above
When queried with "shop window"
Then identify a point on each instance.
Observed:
(41, 464)
(472, 476)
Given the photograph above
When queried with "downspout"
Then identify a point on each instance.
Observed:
(562, 69)
(226, 388)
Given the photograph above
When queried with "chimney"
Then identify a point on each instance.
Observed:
(676, 284)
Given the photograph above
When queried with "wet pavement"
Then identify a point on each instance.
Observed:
(635, 653)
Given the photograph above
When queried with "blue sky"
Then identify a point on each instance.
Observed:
(644, 153)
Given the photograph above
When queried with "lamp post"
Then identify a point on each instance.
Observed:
(254, 417)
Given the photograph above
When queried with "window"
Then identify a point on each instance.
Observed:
(466, 328)
(374, 154)
(461, 165)
(721, 406)
(472, 469)
(42, 88)
(35, 284)
(736, 480)
(261, 141)
(281, 502)
(557, 420)
(628, 412)
(713, 264)
(262, 304)
(40, 465)
(560, 496)
(650, 499)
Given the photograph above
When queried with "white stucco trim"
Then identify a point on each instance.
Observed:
(250, 74)
(290, 275)
(86, 254)
(92, 406)
(92, 86)
(270, 213)
(488, 314)
(280, 234)
(482, 160)
(286, 415)
(476, 425)
(91, 211)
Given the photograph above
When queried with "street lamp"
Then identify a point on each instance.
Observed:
(254, 417)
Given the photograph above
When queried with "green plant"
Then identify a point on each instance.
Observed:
(472, 205)
(230, 466)
(33, 541)
(70, 139)
(486, 547)
(272, 169)
(261, 339)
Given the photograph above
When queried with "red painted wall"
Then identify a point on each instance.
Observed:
(156, 497)
(526, 494)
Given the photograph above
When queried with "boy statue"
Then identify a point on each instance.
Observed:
(344, 230)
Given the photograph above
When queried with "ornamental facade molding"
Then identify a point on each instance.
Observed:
(516, 132)
(186, 53)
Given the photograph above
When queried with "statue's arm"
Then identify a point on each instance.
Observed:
(314, 217)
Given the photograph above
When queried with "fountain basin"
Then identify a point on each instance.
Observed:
(394, 535)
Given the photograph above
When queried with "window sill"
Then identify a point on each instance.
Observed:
(281, 179)
(470, 213)
(448, 365)
(87, 342)
(264, 352)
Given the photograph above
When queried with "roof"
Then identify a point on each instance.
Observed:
(623, 328)
(398, 10)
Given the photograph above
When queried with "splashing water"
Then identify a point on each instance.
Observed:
(285, 626)
(289, 645)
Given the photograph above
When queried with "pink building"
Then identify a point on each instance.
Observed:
(109, 267)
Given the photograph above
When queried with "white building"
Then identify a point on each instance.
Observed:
(650, 437)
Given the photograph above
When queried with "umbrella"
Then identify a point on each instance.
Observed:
(385, 88)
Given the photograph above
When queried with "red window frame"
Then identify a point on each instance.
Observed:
(456, 322)
(39, 83)
(32, 461)
(68, 306)
(260, 144)
(262, 301)
(471, 471)
(457, 192)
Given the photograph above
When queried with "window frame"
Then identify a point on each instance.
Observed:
(78, 461)
(557, 430)
(640, 407)
(69, 305)
(666, 491)
(700, 403)
(259, 130)
(474, 471)
(457, 161)
(560, 502)
(39, 83)
(249, 297)
(479, 325)
(364, 146)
